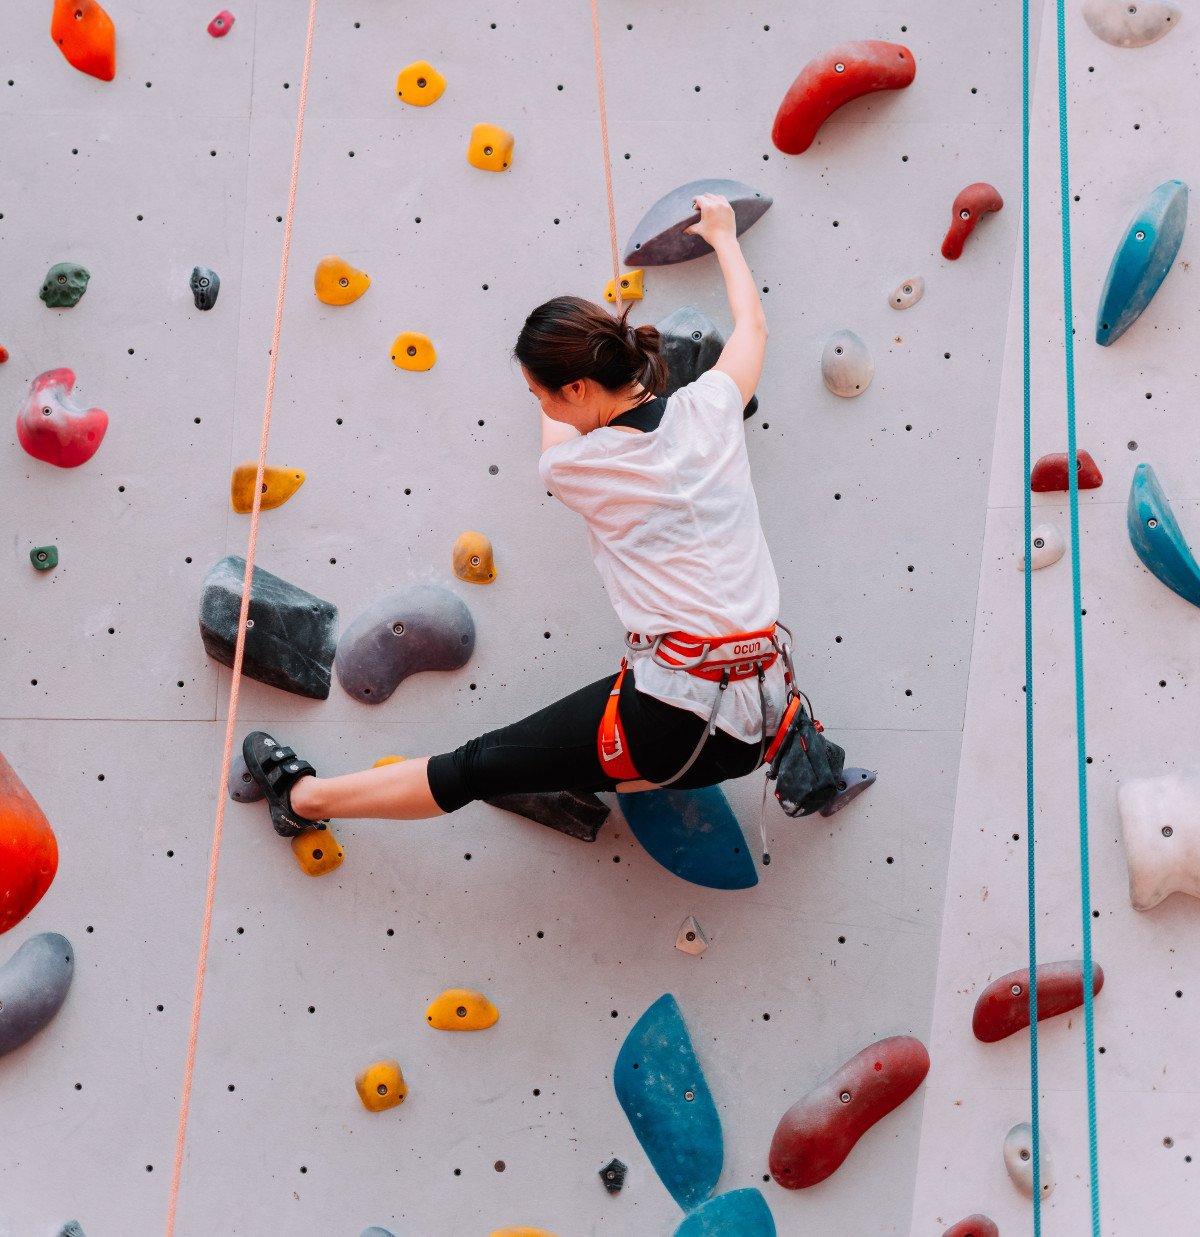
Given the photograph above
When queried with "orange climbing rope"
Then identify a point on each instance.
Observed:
(239, 651)
(612, 214)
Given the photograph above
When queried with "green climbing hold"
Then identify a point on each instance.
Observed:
(64, 285)
(43, 557)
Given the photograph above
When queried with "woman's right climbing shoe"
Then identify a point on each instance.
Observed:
(277, 769)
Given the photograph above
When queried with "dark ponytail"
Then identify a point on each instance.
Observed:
(569, 338)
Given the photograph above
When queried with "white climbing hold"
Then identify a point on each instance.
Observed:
(1131, 23)
(905, 295)
(691, 938)
(1018, 1159)
(1160, 825)
(846, 365)
(1049, 545)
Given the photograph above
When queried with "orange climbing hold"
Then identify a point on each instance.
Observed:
(522, 1230)
(381, 1085)
(420, 84)
(28, 850)
(85, 34)
(473, 560)
(317, 850)
(461, 1009)
(631, 287)
(279, 484)
(388, 760)
(491, 148)
(412, 350)
(337, 282)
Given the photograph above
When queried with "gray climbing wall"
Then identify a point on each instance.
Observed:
(876, 510)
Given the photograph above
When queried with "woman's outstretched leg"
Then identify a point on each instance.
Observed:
(398, 791)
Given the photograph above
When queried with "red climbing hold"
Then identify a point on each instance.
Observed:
(3, 355)
(28, 850)
(973, 1226)
(52, 428)
(1003, 1006)
(84, 34)
(220, 25)
(836, 76)
(969, 208)
(819, 1131)
(1050, 473)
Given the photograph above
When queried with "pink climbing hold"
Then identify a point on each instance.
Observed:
(819, 1131)
(1050, 473)
(221, 25)
(973, 1226)
(1003, 1006)
(52, 428)
(969, 208)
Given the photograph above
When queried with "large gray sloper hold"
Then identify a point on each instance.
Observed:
(33, 986)
(691, 345)
(660, 238)
(293, 637)
(846, 365)
(423, 627)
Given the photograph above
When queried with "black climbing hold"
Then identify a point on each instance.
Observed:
(206, 285)
(691, 346)
(33, 986)
(423, 627)
(291, 642)
(613, 1175)
(577, 813)
(660, 238)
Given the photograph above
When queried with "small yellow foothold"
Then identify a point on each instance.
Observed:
(412, 350)
(420, 84)
(337, 282)
(279, 484)
(522, 1231)
(381, 1085)
(461, 1009)
(473, 560)
(631, 287)
(491, 148)
(317, 850)
(388, 760)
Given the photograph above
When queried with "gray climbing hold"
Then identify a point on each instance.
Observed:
(241, 785)
(691, 345)
(846, 365)
(691, 937)
(577, 813)
(1131, 23)
(660, 238)
(291, 635)
(613, 1175)
(64, 285)
(33, 986)
(412, 629)
(72, 1228)
(850, 785)
(905, 295)
(206, 285)
(1018, 1159)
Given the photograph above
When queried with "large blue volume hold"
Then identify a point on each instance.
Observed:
(692, 833)
(1142, 260)
(740, 1213)
(1157, 538)
(661, 1087)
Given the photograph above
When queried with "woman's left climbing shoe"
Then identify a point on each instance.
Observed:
(277, 769)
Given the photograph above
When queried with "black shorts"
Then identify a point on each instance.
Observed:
(555, 749)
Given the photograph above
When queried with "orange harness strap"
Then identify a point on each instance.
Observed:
(610, 738)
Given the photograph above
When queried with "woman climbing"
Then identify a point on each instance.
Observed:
(664, 487)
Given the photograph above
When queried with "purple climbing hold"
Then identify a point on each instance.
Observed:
(660, 238)
(850, 785)
(241, 785)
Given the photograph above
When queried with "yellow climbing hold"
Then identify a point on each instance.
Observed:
(522, 1231)
(388, 760)
(381, 1085)
(491, 148)
(279, 484)
(420, 84)
(412, 350)
(631, 287)
(473, 560)
(317, 850)
(461, 1009)
(337, 282)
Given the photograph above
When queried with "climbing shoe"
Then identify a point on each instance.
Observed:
(277, 769)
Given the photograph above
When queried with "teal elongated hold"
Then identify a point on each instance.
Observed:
(1142, 260)
(1157, 538)
(692, 833)
(661, 1087)
(740, 1213)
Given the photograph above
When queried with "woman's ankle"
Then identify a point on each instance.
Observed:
(304, 798)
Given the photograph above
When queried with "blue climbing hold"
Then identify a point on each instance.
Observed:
(692, 833)
(1142, 260)
(1156, 536)
(661, 1087)
(740, 1213)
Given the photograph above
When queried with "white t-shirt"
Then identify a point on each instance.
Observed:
(673, 525)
